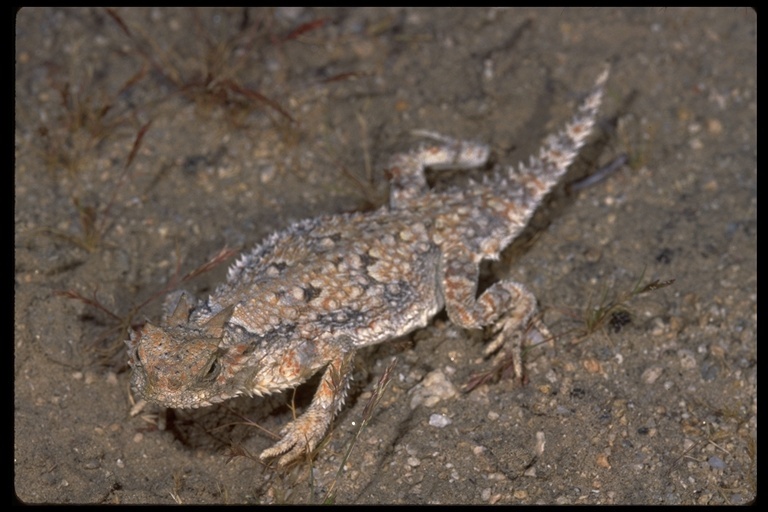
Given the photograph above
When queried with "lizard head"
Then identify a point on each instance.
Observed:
(180, 366)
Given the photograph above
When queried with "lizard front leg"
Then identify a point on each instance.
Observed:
(303, 434)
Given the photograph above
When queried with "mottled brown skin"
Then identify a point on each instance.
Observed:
(309, 296)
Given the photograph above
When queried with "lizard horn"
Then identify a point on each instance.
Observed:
(181, 313)
(215, 326)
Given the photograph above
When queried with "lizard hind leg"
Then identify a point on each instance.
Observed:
(406, 171)
(506, 305)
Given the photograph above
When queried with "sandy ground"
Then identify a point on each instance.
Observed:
(147, 140)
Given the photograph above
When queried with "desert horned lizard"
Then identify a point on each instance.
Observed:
(309, 296)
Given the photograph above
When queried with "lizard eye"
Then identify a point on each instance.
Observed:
(133, 357)
(213, 370)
